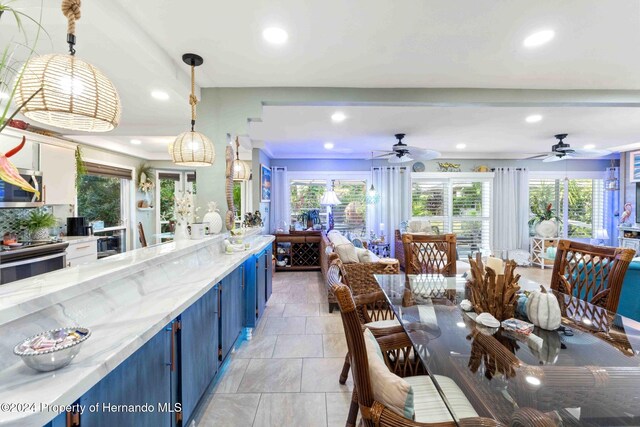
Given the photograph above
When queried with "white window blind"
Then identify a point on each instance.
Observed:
(459, 206)
(351, 213)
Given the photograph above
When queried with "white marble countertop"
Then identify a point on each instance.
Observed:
(125, 300)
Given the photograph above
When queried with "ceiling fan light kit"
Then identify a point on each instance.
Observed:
(66, 92)
(192, 148)
(402, 153)
(563, 151)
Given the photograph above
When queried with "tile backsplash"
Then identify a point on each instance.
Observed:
(10, 219)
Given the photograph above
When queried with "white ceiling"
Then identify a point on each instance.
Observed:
(488, 132)
(333, 43)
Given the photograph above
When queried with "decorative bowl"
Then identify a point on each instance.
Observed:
(281, 263)
(55, 357)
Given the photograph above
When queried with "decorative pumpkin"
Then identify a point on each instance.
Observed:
(213, 218)
(543, 310)
(551, 345)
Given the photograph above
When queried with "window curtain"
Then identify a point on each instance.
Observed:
(394, 186)
(279, 212)
(510, 211)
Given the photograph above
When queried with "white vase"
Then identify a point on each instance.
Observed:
(215, 222)
(40, 234)
(547, 228)
(180, 232)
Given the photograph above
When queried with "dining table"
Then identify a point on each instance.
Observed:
(587, 372)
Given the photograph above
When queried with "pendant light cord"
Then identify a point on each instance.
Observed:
(193, 101)
(237, 149)
(71, 9)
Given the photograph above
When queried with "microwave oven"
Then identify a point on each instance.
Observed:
(12, 196)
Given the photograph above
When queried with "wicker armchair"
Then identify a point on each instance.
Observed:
(399, 249)
(591, 273)
(430, 254)
(375, 413)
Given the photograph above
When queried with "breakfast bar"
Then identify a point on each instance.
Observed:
(162, 321)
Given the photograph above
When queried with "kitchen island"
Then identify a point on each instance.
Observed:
(163, 319)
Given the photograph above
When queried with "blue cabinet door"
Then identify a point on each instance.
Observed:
(231, 309)
(269, 272)
(198, 350)
(143, 378)
(261, 283)
(250, 292)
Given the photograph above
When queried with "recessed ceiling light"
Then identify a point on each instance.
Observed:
(338, 117)
(135, 142)
(160, 95)
(539, 38)
(275, 35)
(461, 146)
(589, 146)
(328, 145)
(534, 118)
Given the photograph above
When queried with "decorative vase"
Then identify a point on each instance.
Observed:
(547, 228)
(40, 234)
(180, 232)
(215, 221)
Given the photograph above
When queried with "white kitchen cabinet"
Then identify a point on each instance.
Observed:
(58, 166)
(81, 250)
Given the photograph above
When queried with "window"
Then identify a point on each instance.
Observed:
(456, 205)
(351, 214)
(578, 202)
(305, 195)
(171, 184)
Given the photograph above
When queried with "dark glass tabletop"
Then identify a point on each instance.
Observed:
(585, 373)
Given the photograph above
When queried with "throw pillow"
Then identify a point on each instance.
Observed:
(346, 252)
(388, 388)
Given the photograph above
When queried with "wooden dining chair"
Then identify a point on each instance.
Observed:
(591, 273)
(430, 254)
(141, 237)
(430, 409)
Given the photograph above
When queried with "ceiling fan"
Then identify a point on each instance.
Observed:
(563, 151)
(402, 152)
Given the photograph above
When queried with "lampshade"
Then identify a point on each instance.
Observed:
(241, 170)
(329, 199)
(192, 148)
(75, 95)
(601, 234)
(372, 196)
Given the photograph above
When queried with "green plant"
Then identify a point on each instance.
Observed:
(39, 218)
(545, 213)
(81, 168)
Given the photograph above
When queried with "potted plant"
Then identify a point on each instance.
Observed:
(38, 223)
(545, 221)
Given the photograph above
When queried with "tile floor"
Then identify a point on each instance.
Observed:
(287, 373)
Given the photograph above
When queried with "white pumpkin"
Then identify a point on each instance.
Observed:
(213, 218)
(543, 310)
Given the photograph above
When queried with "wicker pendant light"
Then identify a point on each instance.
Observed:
(241, 170)
(69, 92)
(192, 148)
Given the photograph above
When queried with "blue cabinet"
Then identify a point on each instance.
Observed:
(258, 286)
(261, 284)
(198, 339)
(142, 379)
(269, 272)
(231, 309)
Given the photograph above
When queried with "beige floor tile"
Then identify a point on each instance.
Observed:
(337, 408)
(291, 410)
(322, 375)
(536, 274)
(259, 347)
(272, 376)
(292, 346)
(229, 410)
(300, 309)
(274, 310)
(324, 325)
(231, 375)
(283, 325)
(334, 345)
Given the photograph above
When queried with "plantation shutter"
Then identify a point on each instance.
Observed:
(351, 213)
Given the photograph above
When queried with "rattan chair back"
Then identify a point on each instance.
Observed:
(430, 254)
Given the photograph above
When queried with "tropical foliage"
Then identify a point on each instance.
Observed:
(99, 199)
(39, 218)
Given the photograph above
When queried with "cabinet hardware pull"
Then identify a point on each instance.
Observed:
(173, 346)
(83, 247)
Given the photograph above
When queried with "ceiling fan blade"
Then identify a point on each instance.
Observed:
(538, 156)
(403, 159)
(581, 152)
(384, 155)
(423, 154)
(553, 158)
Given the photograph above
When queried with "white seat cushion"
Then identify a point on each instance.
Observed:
(429, 406)
(379, 324)
(346, 252)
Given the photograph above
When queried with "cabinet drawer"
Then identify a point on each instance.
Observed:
(295, 239)
(82, 249)
(81, 260)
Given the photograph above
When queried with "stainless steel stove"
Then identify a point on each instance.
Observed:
(31, 259)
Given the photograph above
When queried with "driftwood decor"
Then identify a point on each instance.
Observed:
(230, 217)
(493, 293)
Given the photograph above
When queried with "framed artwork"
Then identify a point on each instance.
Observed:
(634, 173)
(265, 184)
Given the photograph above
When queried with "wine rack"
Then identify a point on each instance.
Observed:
(303, 250)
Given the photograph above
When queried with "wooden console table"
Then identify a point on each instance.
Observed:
(300, 250)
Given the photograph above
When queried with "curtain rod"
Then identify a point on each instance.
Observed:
(515, 169)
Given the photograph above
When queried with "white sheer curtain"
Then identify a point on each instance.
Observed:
(394, 186)
(279, 211)
(510, 211)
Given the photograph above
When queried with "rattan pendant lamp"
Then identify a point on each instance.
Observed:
(69, 92)
(192, 148)
(241, 170)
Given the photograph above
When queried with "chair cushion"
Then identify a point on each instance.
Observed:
(379, 324)
(346, 252)
(336, 238)
(363, 255)
(429, 406)
(387, 388)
